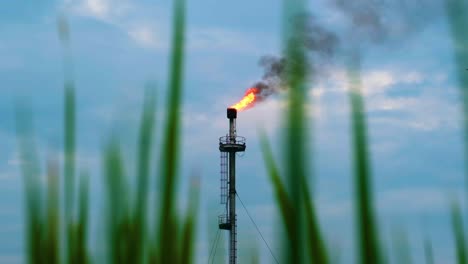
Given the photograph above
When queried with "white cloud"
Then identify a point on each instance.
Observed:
(373, 81)
(126, 16)
(14, 159)
(151, 30)
(155, 35)
(317, 92)
(104, 10)
(391, 104)
(266, 115)
(336, 209)
(148, 36)
(429, 110)
(377, 81)
(7, 175)
(99, 8)
(417, 201)
(220, 39)
(413, 77)
(426, 112)
(414, 200)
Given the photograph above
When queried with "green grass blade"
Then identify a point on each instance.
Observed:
(188, 232)
(254, 256)
(167, 240)
(428, 252)
(116, 201)
(281, 195)
(365, 217)
(52, 245)
(296, 141)
(69, 167)
(82, 255)
(316, 244)
(459, 234)
(189, 228)
(30, 173)
(145, 141)
(457, 13)
(401, 246)
(63, 31)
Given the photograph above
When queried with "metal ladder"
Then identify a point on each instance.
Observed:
(224, 177)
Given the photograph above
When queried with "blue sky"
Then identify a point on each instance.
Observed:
(119, 46)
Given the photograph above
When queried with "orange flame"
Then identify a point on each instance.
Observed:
(247, 101)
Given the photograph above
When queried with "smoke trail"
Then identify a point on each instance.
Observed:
(386, 21)
(364, 23)
(272, 79)
(321, 45)
(364, 15)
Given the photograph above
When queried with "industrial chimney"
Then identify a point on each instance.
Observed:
(228, 146)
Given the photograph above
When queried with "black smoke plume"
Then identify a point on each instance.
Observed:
(386, 21)
(318, 41)
(366, 23)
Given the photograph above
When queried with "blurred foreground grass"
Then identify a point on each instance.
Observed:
(60, 235)
(129, 235)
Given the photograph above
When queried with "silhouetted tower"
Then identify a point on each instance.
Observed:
(229, 146)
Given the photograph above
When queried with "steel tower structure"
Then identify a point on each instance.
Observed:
(229, 145)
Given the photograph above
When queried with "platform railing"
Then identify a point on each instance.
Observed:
(223, 219)
(232, 140)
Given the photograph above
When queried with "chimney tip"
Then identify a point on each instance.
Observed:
(231, 113)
